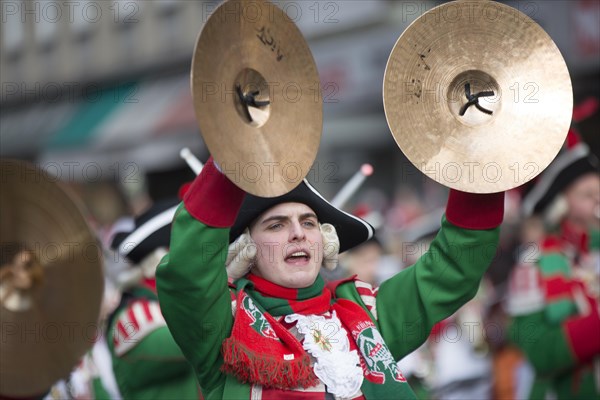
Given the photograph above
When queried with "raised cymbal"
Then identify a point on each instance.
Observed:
(452, 55)
(257, 96)
(51, 285)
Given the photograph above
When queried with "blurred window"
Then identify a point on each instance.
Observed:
(167, 7)
(85, 15)
(13, 32)
(12, 27)
(128, 45)
(48, 15)
(170, 24)
(127, 15)
(126, 12)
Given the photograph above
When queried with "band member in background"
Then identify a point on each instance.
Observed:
(554, 295)
(147, 362)
(454, 363)
(276, 330)
(365, 261)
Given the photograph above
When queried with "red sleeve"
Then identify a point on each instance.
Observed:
(582, 332)
(213, 199)
(474, 210)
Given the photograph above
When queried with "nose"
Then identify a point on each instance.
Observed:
(297, 233)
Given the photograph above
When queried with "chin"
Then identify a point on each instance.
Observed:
(299, 285)
(302, 280)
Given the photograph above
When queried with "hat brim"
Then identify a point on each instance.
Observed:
(351, 230)
(563, 171)
(152, 230)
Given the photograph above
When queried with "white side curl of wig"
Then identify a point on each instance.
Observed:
(331, 246)
(556, 210)
(241, 254)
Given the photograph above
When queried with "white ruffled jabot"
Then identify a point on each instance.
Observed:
(327, 342)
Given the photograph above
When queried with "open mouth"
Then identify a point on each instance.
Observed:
(298, 257)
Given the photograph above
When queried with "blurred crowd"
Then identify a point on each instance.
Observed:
(531, 332)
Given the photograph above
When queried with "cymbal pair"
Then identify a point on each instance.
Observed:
(476, 95)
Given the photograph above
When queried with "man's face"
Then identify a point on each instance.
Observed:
(289, 245)
(583, 199)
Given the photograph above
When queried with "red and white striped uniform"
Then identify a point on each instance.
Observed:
(368, 296)
(139, 319)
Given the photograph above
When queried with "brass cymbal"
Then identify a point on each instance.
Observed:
(257, 96)
(52, 282)
(477, 96)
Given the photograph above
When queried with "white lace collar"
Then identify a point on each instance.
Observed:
(326, 340)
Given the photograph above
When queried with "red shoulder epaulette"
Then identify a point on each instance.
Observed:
(137, 321)
(552, 244)
(366, 292)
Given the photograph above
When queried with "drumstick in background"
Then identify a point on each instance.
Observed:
(339, 200)
(352, 185)
(191, 160)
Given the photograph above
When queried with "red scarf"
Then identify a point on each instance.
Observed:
(262, 351)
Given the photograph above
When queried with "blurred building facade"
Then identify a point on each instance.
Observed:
(97, 81)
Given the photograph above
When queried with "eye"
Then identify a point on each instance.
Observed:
(309, 224)
(275, 226)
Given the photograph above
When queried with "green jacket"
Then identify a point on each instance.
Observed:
(196, 300)
(147, 362)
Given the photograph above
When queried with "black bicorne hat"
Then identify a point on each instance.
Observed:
(152, 230)
(569, 165)
(351, 230)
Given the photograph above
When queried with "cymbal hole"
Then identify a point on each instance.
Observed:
(478, 82)
(252, 102)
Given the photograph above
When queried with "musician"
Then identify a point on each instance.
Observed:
(457, 340)
(554, 296)
(147, 362)
(274, 330)
(365, 260)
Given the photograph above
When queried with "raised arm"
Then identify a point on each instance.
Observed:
(191, 279)
(444, 278)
